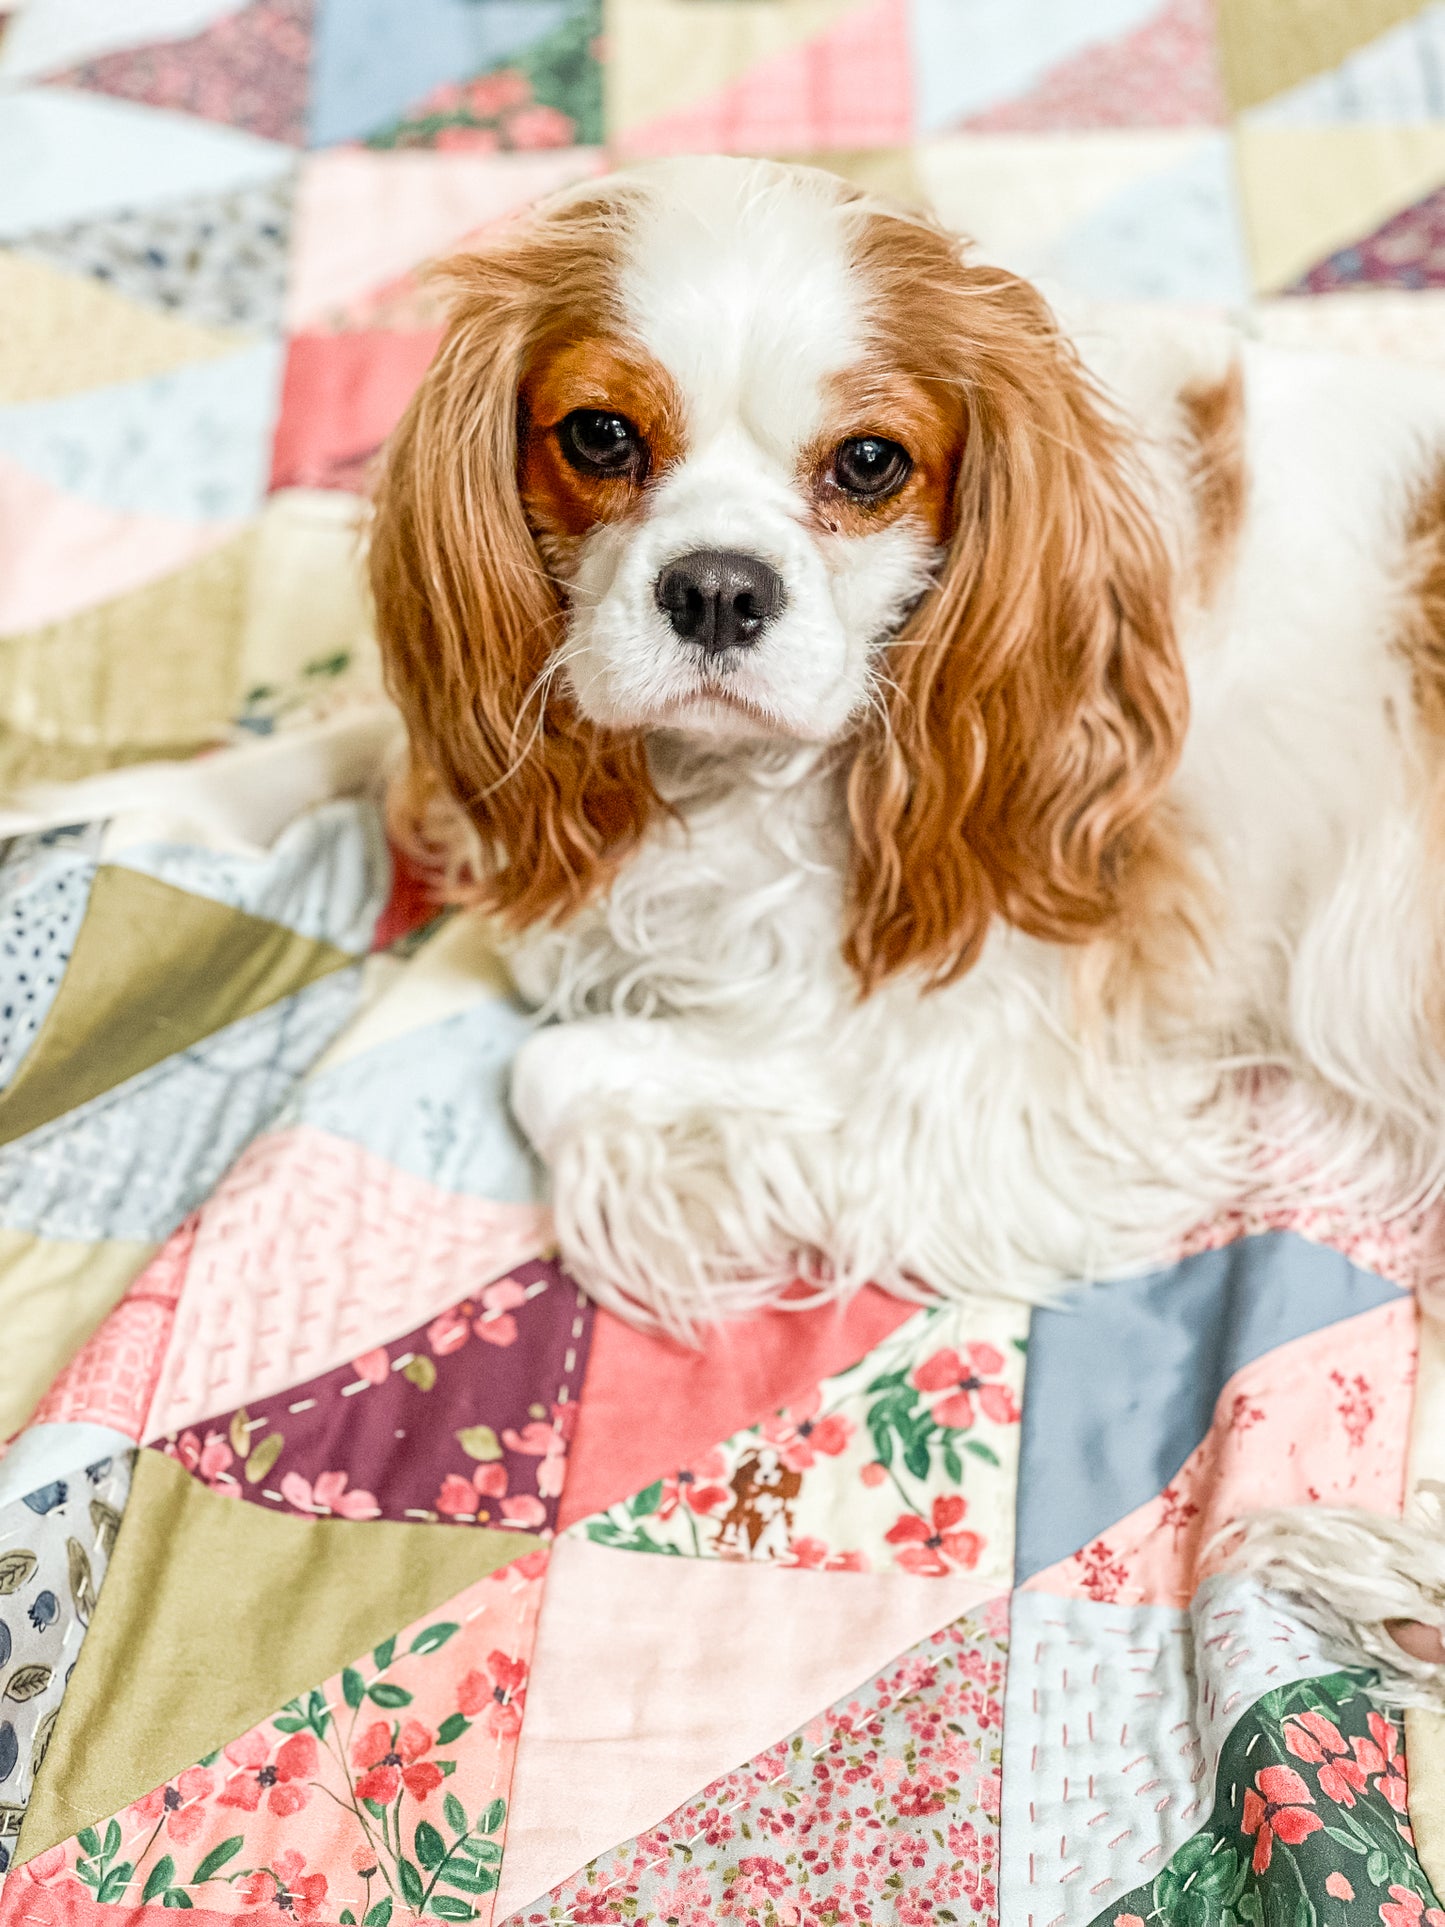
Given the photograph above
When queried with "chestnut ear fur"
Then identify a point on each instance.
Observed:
(1035, 704)
(469, 618)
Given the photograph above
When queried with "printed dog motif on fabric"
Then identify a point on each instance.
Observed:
(905, 1460)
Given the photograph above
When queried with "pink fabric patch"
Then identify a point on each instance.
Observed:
(1163, 74)
(1324, 1420)
(1400, 1249)
(851, 87)
(362, 219)
(649, 1404)
(340, 398)
(59, 554)
(248, 70)
(312, 1251)
(662, 1674)
(111, 1379)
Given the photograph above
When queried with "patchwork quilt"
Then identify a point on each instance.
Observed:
(354, 1569)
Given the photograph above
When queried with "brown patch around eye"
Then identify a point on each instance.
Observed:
(561, 501)
(924, 418)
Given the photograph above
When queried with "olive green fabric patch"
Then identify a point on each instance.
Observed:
(215, 1613)
(155, 969)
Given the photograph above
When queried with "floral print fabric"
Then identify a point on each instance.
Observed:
(248, 69)
(549, 95)
(381, 1794)
(464, 1421)
(884, 1807)
(1309, 1827)
(906, 1462)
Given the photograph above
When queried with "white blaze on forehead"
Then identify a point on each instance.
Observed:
(735, 275)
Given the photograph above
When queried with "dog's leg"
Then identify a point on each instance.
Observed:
(1373, 1588)
(687, 1184)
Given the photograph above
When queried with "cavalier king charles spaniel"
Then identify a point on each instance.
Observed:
(971, 790)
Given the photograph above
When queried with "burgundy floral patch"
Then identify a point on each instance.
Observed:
(464, 1421)
(1407, 251)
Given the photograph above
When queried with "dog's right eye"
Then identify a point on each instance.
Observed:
(601, 444)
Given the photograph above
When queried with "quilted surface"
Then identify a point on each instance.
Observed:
(353, 1568)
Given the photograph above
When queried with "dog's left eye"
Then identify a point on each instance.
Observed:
(870, 467)
(602, 444)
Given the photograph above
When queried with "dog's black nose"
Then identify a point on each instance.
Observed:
(718, 598)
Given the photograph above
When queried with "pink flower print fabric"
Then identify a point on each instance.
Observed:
(884, 1807)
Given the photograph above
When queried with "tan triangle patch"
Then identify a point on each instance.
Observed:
(153, 672)
(154, 970)
(1307, 191)
(65, 332)
(212, 1615)
(663, 55)
(1266, 46)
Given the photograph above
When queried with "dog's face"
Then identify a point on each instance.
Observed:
(724, 447)
(742, 490)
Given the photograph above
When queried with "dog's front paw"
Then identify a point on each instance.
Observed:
(566, 1070)
(677, 1223)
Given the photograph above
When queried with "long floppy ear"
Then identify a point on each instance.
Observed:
(1034, 705)
(468, 617)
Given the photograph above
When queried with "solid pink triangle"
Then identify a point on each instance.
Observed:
(1163, 74)
(59, 554)
(660, 1674)
(851, 87)
(362, 218)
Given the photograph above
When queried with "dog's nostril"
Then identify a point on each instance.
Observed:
(719, 598)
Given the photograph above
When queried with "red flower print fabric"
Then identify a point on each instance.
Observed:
(905, 1461)
(381, 1794)
(1309, 1822)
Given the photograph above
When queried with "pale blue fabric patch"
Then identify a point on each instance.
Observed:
(1163, 1345)
(1398, 76)
(46, 1453)
(134, 1162)
(1122, 1711)
(69, 156)
(434, 1103)
(327, 876)
(44, 889)
(971, 54)
(373, 59)
(193, 443)
(1173, 236)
